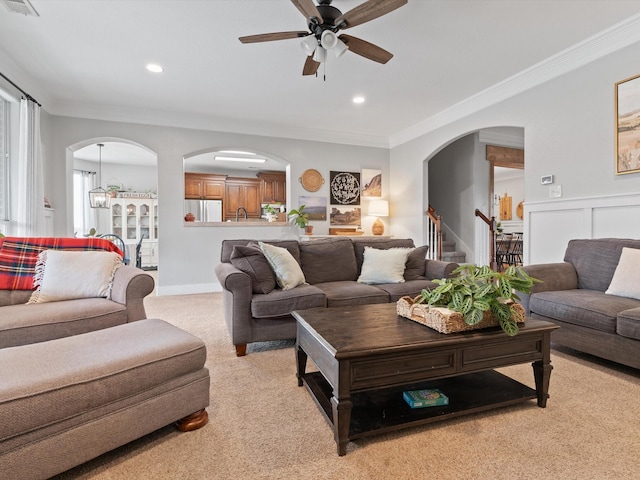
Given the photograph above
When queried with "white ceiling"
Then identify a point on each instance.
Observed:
(87, 58)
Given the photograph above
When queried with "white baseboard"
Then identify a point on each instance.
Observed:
(189, 289)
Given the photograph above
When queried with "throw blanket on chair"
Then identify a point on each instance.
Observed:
(18, 256)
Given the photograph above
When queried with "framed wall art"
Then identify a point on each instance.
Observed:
(344, 188)
(316, 207)
(345, 216)
(371, 183)
(628, 125)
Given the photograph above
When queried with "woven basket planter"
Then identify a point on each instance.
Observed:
(444, 320)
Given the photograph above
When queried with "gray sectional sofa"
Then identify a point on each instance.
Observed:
(254, 311)
(572, 295)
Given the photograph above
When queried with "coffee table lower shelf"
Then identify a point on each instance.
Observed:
(385, 410)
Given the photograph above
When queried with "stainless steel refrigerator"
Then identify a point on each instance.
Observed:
(204, 210)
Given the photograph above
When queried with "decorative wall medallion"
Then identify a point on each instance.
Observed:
(345, 188)
(311, 180)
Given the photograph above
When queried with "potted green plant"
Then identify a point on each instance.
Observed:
(301, 219)
(474, 290)
(272, 213)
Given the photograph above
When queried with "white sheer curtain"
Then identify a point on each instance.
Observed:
(30, 221)
(84, 217)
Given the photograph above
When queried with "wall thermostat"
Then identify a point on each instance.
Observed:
(546, 179)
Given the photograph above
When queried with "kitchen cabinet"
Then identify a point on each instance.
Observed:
(199, 186)
(242, 192)
(274, 187)
(135, 218)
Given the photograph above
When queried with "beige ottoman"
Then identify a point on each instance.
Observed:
(69, 400)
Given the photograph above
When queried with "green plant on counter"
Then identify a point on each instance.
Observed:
(474, 290)
(299, 216)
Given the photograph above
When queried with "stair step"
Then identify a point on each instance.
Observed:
(448, 246)
(455, 256)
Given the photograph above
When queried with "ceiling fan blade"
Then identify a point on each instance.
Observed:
(366, 49)
(310, 66)
(367, 11)
(269, 37)
(308, 9)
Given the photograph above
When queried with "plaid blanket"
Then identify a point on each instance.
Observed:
(18, 256)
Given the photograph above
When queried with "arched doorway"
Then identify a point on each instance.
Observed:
(459, 180)
(128, 171)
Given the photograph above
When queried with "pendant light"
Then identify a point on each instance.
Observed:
(98, 197)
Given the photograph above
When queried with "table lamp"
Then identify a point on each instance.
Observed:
(378, 208)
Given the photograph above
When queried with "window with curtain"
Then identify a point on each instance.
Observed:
(4, 160)
(84, 217)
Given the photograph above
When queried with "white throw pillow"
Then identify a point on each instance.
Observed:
(626, 278)
(285, 267)
(65, 275)
(384, 266)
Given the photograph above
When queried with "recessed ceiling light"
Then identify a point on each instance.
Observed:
(358, 99)
(155, 68)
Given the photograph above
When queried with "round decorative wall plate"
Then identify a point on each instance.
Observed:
(311, 180)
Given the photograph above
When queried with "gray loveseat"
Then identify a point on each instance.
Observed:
(25, 324)
(573, 296)
(331, 267)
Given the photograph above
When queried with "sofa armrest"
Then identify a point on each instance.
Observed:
(553, 276)
(238, 293)
(130, 286)
(439, 269)
(233, 279)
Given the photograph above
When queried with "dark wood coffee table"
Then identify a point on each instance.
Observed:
(368, 355)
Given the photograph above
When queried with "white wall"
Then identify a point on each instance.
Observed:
(569, 133)
(187, 254)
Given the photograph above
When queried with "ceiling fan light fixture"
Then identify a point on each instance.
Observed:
(320, 55)
(328, 39)
(340, 48)
(309, 44)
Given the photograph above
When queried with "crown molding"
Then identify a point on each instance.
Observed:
(603, 43)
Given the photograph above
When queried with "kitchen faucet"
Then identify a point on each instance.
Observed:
(238, 211)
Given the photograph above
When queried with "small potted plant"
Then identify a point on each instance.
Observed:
(301, 219)
(272, 213)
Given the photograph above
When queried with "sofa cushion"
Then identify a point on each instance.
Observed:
(379, 243)
(252, 261)
(345, 293)
(39, 322)
(416, 264)
(328, 259)
(227, 247)
(626, 278)
(384, 266)
(286, 269)
(410, 288)
(587, 308)
(14, 297)
(629, 323)
(595, 260)
(278, 303)
(66, 275)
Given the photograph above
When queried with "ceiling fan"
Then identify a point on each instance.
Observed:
(324, 22)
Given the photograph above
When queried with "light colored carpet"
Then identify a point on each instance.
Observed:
(263, 426)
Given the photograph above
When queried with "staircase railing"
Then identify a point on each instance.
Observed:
(434, 234)
(491, 222)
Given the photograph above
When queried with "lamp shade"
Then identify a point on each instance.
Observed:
(320, 55)
(99, 198)
(379, 208)
(340, 48)
(309, 44)
(328, 40)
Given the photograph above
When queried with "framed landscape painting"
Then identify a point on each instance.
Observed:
(371, 183)
(628, 125)
(316, 207)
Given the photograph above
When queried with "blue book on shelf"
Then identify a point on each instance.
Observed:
(425, 398)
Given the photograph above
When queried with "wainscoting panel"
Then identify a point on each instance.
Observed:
(550, 225)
